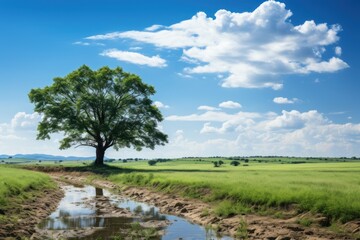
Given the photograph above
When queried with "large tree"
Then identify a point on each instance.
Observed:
(101, 109)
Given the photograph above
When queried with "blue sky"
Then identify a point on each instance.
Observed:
(233, 77)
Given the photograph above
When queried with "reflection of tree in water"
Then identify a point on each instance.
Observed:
(65, 221)
(151, 213)
(98, 198)
(138, 209)
(108, 226)
(64, 213)
(99, 192)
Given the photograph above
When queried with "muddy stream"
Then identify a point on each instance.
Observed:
(89, 212)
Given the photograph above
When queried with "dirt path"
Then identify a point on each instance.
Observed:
(241, 226)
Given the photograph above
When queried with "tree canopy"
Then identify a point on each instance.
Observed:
(101, 109)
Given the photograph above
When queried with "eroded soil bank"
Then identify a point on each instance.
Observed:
(29, 214)
(248, 226)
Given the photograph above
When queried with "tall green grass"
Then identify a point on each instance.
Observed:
(18, 186)
(332, 189)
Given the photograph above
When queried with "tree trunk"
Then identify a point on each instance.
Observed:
(100, 153)
(99, 192)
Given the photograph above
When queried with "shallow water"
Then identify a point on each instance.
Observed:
(79, 210)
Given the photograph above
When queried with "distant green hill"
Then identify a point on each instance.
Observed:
(44, 157)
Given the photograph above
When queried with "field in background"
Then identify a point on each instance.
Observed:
(327, 186)
(265, 185)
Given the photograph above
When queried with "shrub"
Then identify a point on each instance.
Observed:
(152, 162)
(216, 164)
(235, 163)
(221, 162)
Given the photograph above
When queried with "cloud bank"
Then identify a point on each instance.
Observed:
(289, 133)
(252, 49)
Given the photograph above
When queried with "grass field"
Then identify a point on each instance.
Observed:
(332, 189)
(18, 186)
(263, 185)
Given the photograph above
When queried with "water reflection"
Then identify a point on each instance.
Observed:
(83, 208)
(76, 210)
(99, 192)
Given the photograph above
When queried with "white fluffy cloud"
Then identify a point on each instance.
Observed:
(213, 116)
(282, 100)
(19, 136)
(338, 51)
(208, 108)
(24, 120)
(230, 104)
(17, 131)
(88, 43)
(332, 65)
(134, 57)
(295, 120)
(252, 49)
(19, 128)
(159, 104)
(289, 133)
(153, 27)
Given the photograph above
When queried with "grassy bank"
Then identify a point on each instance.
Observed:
(332, 189)
(17, 187)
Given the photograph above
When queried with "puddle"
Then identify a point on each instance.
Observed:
(94, 213)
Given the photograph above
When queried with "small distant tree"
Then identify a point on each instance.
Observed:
(124, 161)
(235, 163)
(100, 109)
(221, 162)
(152, 162)
(216, 164)
(246, 160)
